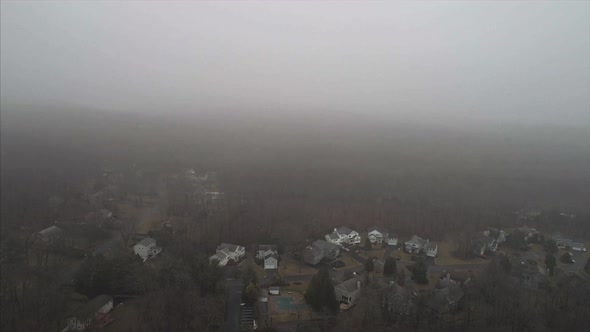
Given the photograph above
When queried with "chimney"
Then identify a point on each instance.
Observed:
(335, 230)
(391, 283)
(358, 284)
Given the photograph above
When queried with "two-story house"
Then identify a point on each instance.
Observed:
(343, 235)
(226, 252)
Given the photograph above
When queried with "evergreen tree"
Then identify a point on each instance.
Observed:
(250, 294)
(390, 267)
(368, 244)
(550, 262)
(370, 265)
(419, 271)
(320, 293)
(550, 246)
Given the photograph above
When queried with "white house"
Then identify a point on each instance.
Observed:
(85, 315)
(271, 262)
(146, 248)
(226, 252)
(417, 245)
(431, 249)
(265, 250)
(274, 290)
(563, 242)
(343, 235)
(378, 234)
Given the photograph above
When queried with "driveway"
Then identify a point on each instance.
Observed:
(234, 298)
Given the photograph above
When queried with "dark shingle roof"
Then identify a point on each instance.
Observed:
(147, 241)
(89, 309)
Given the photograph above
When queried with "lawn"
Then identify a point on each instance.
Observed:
(290, 267)
(445, 256)
(300, 288)
(378, 253)
(348, 261)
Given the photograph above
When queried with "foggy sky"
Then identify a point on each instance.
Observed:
(517, 62)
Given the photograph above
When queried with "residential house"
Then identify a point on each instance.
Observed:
(226, 252)
(349, 291)
(313, 255)
(274, 290)
(495, 233)
(563, 242)
(271, 262)
(458, 277)
(415, 244)
(269, 255)
(446, 281)
(484, 243)
(431, 249)
(146, 248)
(418, 245)
(343, 235)
(398, 302)
(86, 315)
(528, 232)
(265, 250)
(50, 235)
(445, 300)
(378, 234)
(527, 274)
(319, 250)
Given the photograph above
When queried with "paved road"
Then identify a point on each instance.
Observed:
(234, 298)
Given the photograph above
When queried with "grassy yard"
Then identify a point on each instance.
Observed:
(377, 252)
(290, 267)
(445, 256)
(348, 261)
(300, 288)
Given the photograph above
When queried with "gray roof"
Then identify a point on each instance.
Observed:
(51, 231)
(324, 245)
(147, 242)
(89, 309)
(418, 240)
(446, 299)
(229, 246)
(275, 256)
(344, 230)
(349, 285)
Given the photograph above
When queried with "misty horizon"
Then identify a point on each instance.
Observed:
(443, 63)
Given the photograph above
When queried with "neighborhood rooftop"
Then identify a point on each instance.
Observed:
(90, 308)
(147, 242)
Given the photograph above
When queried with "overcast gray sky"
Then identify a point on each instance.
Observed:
(503, 61)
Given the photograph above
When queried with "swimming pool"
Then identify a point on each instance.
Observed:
(287, 303)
